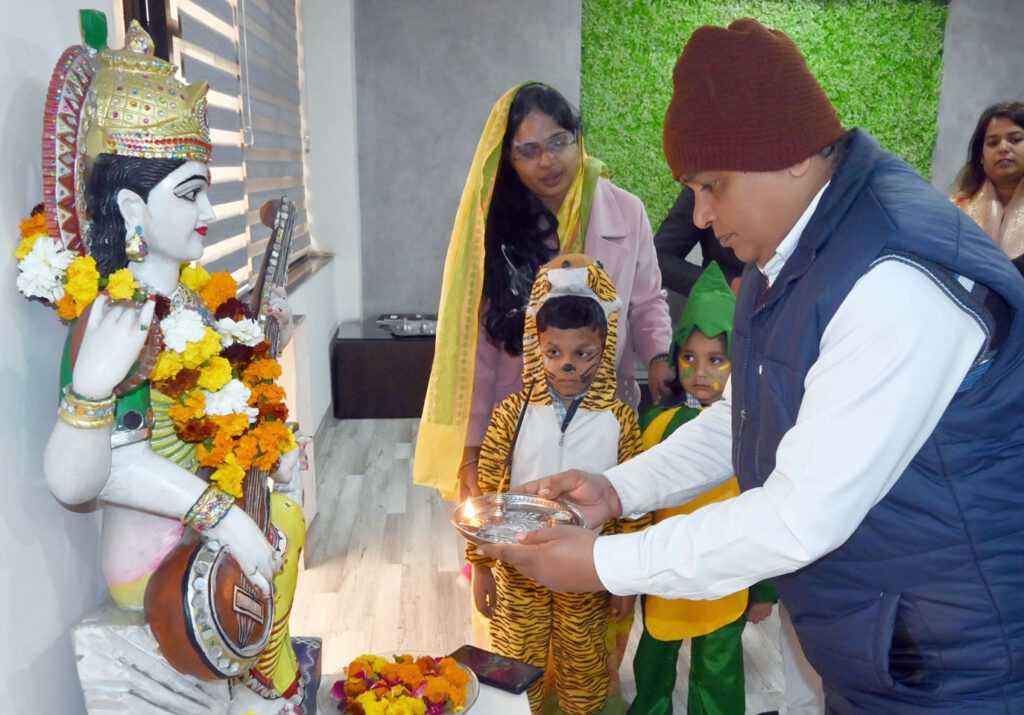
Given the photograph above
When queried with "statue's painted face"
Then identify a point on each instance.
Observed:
(178, 212)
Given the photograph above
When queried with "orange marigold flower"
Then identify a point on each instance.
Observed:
(261, 370)
(426, 664)
(247, 450)
(409, 674)
(192, 407)
(354, 687)
(234, 424)
(36, 223)
(390, 672)
(66, 308)
(215, 455)
(437, 690)
(265, 392)
(273, 436)
(266, 461)
(218, 289)
(456, 676)
(182, 414)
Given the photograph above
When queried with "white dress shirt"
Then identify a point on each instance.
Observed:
(890, 360)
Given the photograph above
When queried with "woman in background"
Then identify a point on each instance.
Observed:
(989, 186)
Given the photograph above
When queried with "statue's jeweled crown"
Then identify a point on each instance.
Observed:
(125, 102)
(142, 110)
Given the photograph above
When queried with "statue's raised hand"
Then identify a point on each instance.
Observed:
(113, 338)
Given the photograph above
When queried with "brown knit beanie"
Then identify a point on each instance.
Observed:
(744, 100)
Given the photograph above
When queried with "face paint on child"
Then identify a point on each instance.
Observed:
(704, 366)
(571, 359)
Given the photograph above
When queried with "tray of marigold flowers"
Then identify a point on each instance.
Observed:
(404, 684)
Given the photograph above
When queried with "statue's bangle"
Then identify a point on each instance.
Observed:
(209, 509)
(663, 357)
(79, 411)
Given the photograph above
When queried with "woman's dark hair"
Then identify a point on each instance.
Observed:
(521, 234)
(568, 312)
(108, 175)
(972, 174)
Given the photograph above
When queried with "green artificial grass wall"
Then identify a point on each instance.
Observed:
(879, 61)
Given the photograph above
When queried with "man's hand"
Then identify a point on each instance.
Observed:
(659, 379)
(592, 493)
(559, 557)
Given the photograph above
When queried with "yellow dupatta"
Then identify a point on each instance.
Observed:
(446, 410)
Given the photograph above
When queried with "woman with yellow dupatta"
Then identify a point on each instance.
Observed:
(532, 193)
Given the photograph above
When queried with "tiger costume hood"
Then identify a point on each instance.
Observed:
(576, 275)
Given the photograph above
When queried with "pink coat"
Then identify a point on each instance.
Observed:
(619, 235)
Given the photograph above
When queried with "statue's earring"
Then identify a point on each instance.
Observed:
(135, 245)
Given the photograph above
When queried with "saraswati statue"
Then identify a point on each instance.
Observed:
(169, 415)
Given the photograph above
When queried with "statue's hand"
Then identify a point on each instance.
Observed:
(244, 540)
(114, 335)
(277, 308)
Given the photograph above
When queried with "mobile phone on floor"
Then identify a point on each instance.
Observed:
(508, 674)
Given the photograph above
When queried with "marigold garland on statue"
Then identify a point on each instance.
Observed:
(220, 378)
(222, 382)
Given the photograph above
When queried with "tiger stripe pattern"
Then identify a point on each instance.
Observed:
(566, 632)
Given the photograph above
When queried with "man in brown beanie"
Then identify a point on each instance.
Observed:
(874, 416)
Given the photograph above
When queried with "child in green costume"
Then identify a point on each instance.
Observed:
(700, 350)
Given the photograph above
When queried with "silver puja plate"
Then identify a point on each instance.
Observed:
(499, 518)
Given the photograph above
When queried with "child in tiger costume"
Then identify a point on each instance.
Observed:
(700, 350)
(566, 417)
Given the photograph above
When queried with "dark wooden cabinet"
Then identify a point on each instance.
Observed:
(377, 376)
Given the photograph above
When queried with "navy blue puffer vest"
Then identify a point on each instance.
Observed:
(922, 608)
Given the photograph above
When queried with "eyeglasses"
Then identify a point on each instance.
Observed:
(555, 145)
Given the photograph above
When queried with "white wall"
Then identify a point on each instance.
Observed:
(428, 74)
(315, 299)
(332, 185)
(50, 576)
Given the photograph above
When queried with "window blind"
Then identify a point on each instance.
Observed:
(272, 97)
(249, 52)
